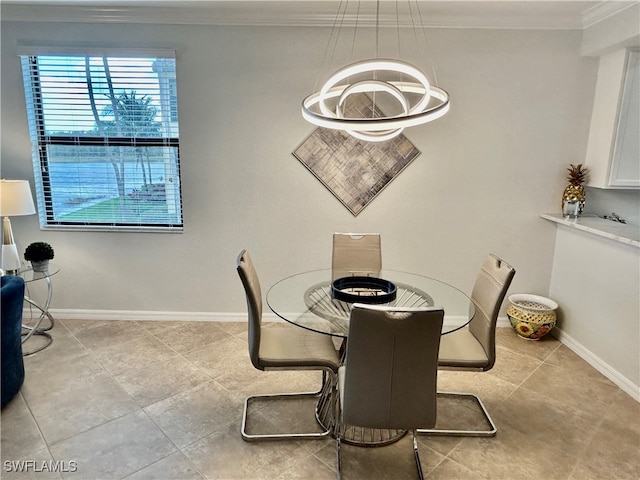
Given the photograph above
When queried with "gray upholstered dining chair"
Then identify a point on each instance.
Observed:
(389, 378)
(356, 254)
(474, 348)
(289, 348)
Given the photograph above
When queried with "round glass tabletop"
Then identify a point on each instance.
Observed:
(306, 300)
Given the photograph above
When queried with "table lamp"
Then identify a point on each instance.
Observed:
(15, 199)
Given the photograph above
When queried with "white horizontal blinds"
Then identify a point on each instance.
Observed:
(107, 133)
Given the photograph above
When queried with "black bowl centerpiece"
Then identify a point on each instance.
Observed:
(359, 289)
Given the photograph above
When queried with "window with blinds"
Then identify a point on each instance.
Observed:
(104, 130)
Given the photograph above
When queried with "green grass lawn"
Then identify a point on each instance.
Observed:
(116, 210)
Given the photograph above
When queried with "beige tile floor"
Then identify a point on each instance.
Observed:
(163, 400)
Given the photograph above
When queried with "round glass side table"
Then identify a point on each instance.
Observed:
(36, 327)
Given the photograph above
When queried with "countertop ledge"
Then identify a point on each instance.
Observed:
(618, 232)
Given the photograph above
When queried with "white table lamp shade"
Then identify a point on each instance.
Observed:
(15, 200)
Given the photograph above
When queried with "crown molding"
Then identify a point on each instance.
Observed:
(537, 14)
(603, 10)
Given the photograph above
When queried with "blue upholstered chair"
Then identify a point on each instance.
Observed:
(12, 290)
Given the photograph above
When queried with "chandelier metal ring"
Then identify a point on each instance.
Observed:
(316, 110)
(369, 86)
(373, 86)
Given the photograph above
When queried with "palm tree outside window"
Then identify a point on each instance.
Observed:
(105, 140)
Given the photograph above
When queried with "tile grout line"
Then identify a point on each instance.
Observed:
(33, 417)
(211, 379)
(141, 409)
(580, 450)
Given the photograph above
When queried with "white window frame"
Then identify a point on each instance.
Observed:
(168, 143)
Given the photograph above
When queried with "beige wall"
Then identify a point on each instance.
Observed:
(521, 103)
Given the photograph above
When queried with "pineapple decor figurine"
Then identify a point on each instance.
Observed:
(574, 195)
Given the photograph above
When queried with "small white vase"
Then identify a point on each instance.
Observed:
(41, 266)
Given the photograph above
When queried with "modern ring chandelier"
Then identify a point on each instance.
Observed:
(413, 99)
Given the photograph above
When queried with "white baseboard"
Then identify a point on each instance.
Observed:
(503, 322)
(147, 315)
(596, 362)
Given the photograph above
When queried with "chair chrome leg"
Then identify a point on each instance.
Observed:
(325, 407)
(463, 433)
(417, 455)
(327, 378)
(338, 456)
(336, 433)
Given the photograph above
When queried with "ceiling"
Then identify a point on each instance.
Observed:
(535, 14)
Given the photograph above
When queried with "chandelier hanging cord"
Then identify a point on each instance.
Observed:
(423, 29)
(419, 101)
(377, 55)
(335, 33)
(355, 30)
(377, 28)
(399, 43)
(398, 31)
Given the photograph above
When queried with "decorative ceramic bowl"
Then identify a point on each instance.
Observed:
(531, 316)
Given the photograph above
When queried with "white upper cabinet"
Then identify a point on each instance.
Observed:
(613, 149)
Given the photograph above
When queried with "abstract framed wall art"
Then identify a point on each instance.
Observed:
(355, 172)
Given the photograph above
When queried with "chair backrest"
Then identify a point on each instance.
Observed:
(391, 367)
(488, 293)
(356, 254)
(251, 284)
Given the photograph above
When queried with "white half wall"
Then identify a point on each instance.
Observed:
(596, 282)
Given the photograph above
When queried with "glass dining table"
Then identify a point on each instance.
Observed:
(308, 300)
